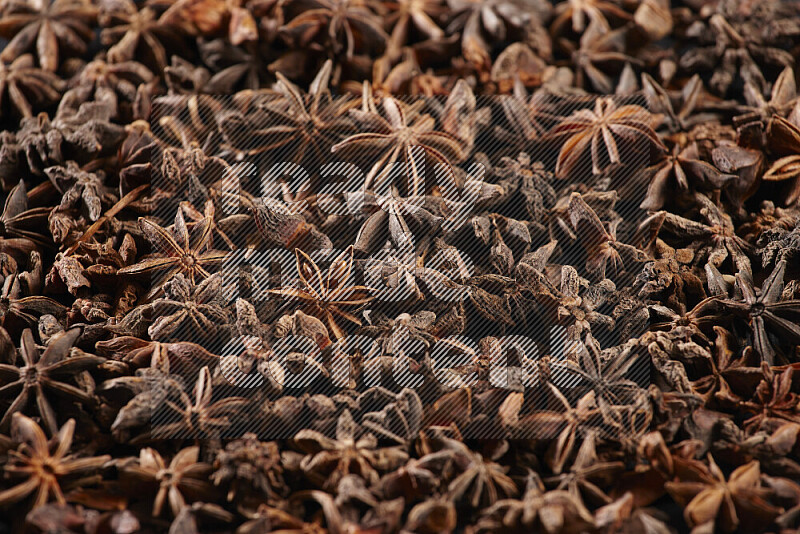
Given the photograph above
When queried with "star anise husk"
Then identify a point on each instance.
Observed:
(539, 510)
(47, 467)
(131, 32)
(327, 459)
(403, 133)
(58, 28)
(682, 168)
(344, 26)
(482, 24)
(190, 312)
(773, 402)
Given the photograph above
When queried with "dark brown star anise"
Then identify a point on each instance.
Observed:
(45, 374)
(23, 85)
(178, 251)
(56, 28)
(325, 297)
(766, 311)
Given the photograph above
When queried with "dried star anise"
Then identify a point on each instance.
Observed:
(325, 296)
(46, 466)
(44, 374)
(607, 123)
(56, 27)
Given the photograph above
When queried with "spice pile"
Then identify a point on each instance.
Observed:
(639, 187)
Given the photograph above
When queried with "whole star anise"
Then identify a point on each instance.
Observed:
(56, 28)
(43, 374)
(325, 297)
(46, 466)
(609, 125)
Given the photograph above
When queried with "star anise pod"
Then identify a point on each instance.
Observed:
(588, 474)
(201, 418)
(131, 33)
(599, 48)
(23, 85)
(325, 297)
(24, 309)
(76, 184)
(46, 466)
(681, 170)
(774, 401)
(733, 55)
(236, 67)
(45, 374)
(56, 27)
(578, 12)
(714, 240)
(711, 499)
(402, 133)
(183, 479)
(729, 373)
(248, 464)
(552, 512)
(189, 312)
(114, 84)
(344, 26)
(482, 24)
(328, 460)
(601, 244)
(608, 124)
(766, 311)
(291, 121)
(783, 137)
(482, 481)
(606, 376)
(179, 251)
(563, 426)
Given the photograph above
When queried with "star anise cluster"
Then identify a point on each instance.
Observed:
(547, 253)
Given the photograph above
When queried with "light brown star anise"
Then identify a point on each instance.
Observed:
(46, 466)
(55, 27)
(183, 479)
(324, 297)
(44, 374)
(328, 460)
(733, 503)
(578, 12)
(607, 125)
